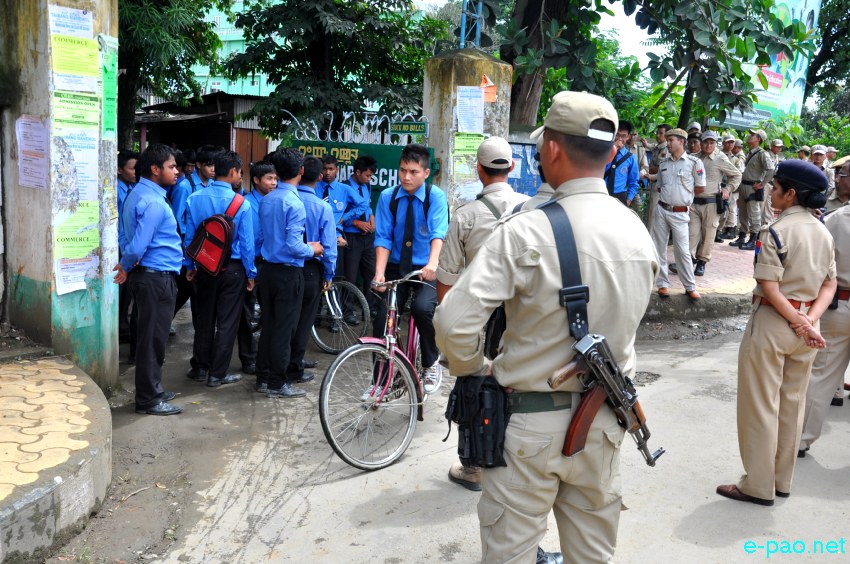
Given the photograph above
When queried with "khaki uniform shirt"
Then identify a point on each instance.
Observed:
(838, 225)
(758, 167)
(544, 194)
(776, 158)
(833, 203)
(678, 177)
(640, 154)
(659, 153)
(470, 226)
(718, 169)
(518, 265)
(830, 176)
(737, 160)
(809, 256)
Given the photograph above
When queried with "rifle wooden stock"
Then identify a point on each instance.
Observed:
(574, 368)
(582, 419)
(640, 418)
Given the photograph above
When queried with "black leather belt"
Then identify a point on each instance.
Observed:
(670, 208)
(706, 200)
(154, 271)
(748, 182)
(536, 402)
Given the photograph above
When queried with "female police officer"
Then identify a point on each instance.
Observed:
(795, 272)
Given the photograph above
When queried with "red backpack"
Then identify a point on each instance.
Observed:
(211, 246)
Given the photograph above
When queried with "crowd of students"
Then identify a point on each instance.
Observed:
(294, 230)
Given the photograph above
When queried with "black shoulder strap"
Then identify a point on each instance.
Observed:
(518, 207)
(426, 205)
(394, 203)
(573, 295)
(610, 174)
(483, 199)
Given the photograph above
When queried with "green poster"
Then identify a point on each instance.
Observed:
(467, 143)
(109, 66)
(78, 236)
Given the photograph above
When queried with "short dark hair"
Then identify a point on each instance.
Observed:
(665, 126)
(261, 168)
(596, 151)
(490, 171)
(226, 160)
(625, 126)
(206, 153)
(312, 169)
(416, 153)
(155, 155)
(330, 160)
(365, 162)
(190, 156)
(125, 155)
(287, 162)
(180, 157)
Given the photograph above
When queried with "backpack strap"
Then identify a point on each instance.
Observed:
(483, 199)
(610, 177)
(234, 206)
(573, 295)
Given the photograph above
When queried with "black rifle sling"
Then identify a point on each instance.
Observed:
(483, 199)
(573, 295)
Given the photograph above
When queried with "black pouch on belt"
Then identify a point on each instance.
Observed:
(722, 205)
(479, 407)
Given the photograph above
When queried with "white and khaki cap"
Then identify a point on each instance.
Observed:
(572, 113)
(777, 143)
(819, 149)
(495, 152)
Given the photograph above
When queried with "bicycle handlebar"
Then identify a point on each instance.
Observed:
(391, 283)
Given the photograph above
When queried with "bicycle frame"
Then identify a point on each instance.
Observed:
(390, 343)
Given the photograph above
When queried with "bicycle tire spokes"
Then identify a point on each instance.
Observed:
(342, 318)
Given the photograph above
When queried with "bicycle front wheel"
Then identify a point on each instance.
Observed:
(342, 318)
(368, 412)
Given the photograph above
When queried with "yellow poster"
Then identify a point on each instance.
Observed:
(77, 236)
(76, 63)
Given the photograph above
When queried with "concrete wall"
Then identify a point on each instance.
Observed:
(83, 323)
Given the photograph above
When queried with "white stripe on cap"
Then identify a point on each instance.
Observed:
(601, 135)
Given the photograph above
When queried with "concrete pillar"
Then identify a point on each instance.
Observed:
(57, 98)
(443, 74)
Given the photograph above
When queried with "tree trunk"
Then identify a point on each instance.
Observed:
(128, 86)
(687, 105)
(525, 98)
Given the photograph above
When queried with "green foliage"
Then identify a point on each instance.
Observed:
(715, 41)
(830, 123)
(789, 129)
(335, 55)
(830, 67)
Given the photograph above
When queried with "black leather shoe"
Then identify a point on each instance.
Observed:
(306, 377)
(286, 391)
(731, 491)
(197, 374)
(334, 327)
(249, 368)
(351, 319)
(751, 242)
(162, 408)
(168, 396)
(311, 363)
(672, 268)
(728, 233)
(717, 238)
(782, 494)
(172, 331)
(213, 382)
(739, 241)
(261, 388)
(802, 452)
(838, 402)
(699, 269)
(549, 557)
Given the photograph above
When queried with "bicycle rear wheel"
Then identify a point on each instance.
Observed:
(342, 318)
(367, 417)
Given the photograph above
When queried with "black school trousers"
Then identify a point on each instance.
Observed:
(218, 303)
(280, 289)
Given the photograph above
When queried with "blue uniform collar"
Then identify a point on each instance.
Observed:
(151, 184)
(286, 186)
(221, 185)
(420, 193)
(307, 189)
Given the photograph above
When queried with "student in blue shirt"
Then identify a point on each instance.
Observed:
(219, 298)
(281, 283)
(263, 180)
(150, 261)
(340, 197)
(623, 172)
(126, 180)
(204, 167)
(178, 196)
(318, 272)
(412, 241)
(358, 222)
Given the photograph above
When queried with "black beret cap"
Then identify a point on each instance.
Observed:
(803, 174)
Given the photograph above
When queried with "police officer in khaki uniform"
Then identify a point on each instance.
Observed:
(768, 215)
(519, 265)
(659, 153)
(729, 222)
(721, 178)
(795, 275)
(831, 153)
(804, 152)
(678, 177)
(840, 195)
(831, 363)
(819, 160)
(758, 170)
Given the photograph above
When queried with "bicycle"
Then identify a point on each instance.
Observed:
(371, 396)
(342, 318)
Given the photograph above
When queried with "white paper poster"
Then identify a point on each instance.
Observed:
(68, 21)
(33, 146)
(470, 109)
(71, 274)
(76, 119)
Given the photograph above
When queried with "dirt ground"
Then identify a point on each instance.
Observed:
(159, 464)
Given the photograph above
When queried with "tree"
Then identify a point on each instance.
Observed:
(831, 64)
(159, 41)
(335, 55)
(712, 46)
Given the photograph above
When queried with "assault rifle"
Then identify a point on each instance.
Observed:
(599, 373)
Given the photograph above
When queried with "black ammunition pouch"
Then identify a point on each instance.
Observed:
(479, 407)
(496, 325)
(722, 205)
(756, 196)
(834, 303)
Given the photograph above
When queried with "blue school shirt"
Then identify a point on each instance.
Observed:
(148, 236)
(626, 175)
(255, 199)
(391, 236)
(179, 195)
(320, 227)
(283, 221)
(360, 206)
(341, 198)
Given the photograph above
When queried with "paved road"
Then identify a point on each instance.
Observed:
(279, 494)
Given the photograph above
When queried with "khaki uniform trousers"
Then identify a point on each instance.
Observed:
(677, 222)
(773, 371)
(584, 490)
(651, 205)
(749, 212)
(731, 217)
(827, 370)
(703, 227)
(767, 216)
